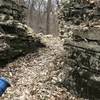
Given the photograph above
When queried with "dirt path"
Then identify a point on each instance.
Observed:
(35, 76)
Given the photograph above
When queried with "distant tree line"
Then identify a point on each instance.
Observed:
(41, 15)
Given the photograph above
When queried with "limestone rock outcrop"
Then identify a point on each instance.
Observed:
(82, 45)
(16, 38)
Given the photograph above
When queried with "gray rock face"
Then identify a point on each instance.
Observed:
(83, 58)
(80, 30)
(11, 8)
(16, 39)
(79, 11)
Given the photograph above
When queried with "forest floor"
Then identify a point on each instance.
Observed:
(35, 76)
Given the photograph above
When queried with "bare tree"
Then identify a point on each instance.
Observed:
(41, 14)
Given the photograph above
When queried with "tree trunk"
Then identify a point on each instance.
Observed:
(48, 17)
(58, 3)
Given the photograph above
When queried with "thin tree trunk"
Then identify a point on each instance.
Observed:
(58, 4)
(48, 17)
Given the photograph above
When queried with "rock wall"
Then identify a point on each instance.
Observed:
(11, 8)
(77, 14)
(81, 10)
(82, 45)
(16, 38)
(83, 60)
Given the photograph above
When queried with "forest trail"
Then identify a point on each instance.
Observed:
(35, 76)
